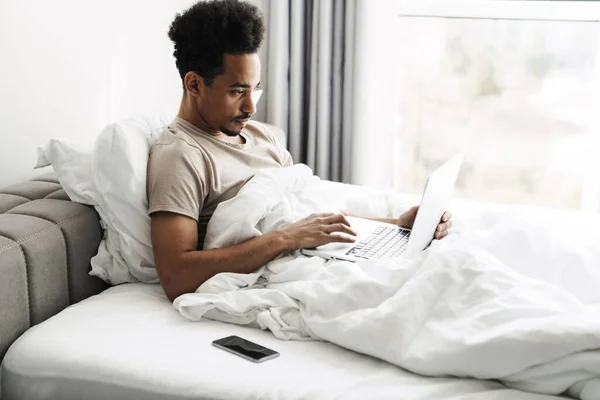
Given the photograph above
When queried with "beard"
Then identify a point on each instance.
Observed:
(231, 133)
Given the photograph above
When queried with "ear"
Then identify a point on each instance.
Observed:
(194, 84)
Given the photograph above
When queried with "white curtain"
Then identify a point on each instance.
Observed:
(376, 98)
(330, 85)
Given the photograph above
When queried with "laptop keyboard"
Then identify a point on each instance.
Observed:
(385, 242)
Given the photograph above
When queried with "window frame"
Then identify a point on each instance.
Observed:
(545, 10)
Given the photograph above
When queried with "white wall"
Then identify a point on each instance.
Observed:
(69, 67)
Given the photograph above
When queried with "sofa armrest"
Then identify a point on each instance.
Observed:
(46, 243)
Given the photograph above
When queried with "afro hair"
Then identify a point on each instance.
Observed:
(208, 30)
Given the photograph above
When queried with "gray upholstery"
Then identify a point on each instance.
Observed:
(46, 243)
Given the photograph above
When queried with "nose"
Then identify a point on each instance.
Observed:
(248, 106)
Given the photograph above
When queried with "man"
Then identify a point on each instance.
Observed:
(212, 149)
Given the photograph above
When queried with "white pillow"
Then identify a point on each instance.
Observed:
(71, 159)
(119, 164)
(111, 176)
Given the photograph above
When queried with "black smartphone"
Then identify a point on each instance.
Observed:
(245, 349)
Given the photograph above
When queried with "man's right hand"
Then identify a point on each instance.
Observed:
(317, 230)
(181, 268)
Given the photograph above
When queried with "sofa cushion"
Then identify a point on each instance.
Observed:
(79, 226)
(14, 313)
(45, 250)
(32, 190)
(10, 201)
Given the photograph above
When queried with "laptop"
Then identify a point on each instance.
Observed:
(379, 240)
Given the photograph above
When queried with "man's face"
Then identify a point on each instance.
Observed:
(227, 104)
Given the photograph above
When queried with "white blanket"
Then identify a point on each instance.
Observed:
(455, 309)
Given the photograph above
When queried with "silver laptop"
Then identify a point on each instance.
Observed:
(378, 240)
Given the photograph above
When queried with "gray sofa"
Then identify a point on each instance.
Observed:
(46, 243)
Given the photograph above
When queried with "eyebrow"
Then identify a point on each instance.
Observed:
(242, 85)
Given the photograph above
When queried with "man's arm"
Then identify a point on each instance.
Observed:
(181, 268)
(407, 220)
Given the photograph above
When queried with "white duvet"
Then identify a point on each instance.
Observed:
(502, 297)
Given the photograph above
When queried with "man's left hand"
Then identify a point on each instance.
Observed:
(407, 220)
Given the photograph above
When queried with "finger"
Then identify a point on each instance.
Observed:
(323, 215)
(340, 239)
(447, 215)
(336, 219)
(339, 227)
(444, 226)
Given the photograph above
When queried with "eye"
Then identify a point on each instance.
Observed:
(237, 92)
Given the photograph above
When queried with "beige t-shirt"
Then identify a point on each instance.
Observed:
(190, 172)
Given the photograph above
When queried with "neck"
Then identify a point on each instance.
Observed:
(188, 112)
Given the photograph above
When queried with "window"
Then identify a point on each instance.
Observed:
(512, 84)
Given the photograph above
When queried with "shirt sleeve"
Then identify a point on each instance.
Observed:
(175, 182)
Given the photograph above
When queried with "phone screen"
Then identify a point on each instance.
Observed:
(245, 348)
